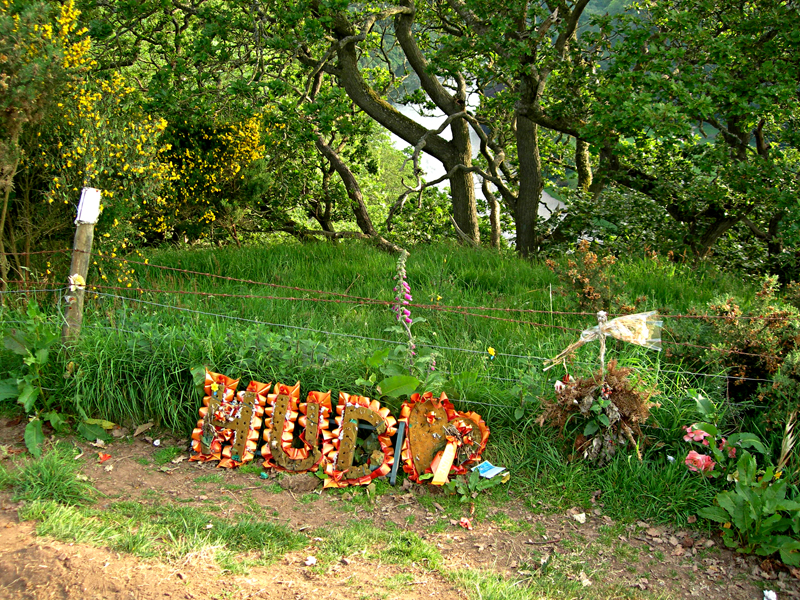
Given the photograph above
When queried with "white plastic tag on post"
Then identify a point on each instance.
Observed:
(89, 206)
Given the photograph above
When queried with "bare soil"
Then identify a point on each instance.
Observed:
(649, 561)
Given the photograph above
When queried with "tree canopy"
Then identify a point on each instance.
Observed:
(671, 124)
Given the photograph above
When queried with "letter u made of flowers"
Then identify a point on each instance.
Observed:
(283, 450)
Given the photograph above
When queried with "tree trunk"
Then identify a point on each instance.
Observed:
(451, 154)
(531, 185)
(494, 214)
(354, 193)
(583, 165)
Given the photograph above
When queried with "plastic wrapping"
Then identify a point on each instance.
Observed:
(642, 329)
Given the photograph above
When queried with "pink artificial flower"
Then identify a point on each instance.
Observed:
(731, 449)
(695, 435)
(699, 462)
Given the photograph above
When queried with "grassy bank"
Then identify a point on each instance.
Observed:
(134, 359)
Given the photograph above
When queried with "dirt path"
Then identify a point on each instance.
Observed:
(585, 547)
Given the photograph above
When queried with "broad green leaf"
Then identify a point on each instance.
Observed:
(747, 440)
(378, 358)
(714, 513)
(16, 341)
(41, 355)
(198, 375)
(747, 469)
(92, 432)
(708, 428)
(770, 524)
(9, 389)
(704, 406)
(789, 549)
(773, 495)
(398, 385)
(591, 428)
(34, 437)
(101, 422)
(56, 420)
(725, 500)
(28, 397)
(604, 420)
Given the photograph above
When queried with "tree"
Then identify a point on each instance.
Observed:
(696, 108)
(335, 37)
(205, 64)
(41, 48)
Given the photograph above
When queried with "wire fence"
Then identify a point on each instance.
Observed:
(27, 287)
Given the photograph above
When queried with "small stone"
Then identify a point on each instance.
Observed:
(673, 540)
(708, 543)
(654, 532)
(580, 518)
(310, 561)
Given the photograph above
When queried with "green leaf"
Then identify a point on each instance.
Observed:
(34, 437)
(714, 513)
(604, 420)
(92, 432)
(704, 406)
(790, 551)
(56, 420)
(28, 397)
(708, 428)
(199, 378)
(41, 355)
(16, 341)
(378, 358)
(519, 413)
(9, 389)
(747, 469)
(398, 385)
(104, 424)
(591, 428)
(747, 440)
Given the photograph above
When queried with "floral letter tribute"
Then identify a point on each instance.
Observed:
(440, 441)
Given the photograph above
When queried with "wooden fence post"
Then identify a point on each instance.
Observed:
(88, 212)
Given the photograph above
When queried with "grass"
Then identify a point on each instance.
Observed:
(169, 532)
(387, 544)
(53, 477)
(162, 456)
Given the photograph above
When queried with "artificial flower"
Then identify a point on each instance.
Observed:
(699, 462)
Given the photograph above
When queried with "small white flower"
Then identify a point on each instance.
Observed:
(670, 458)
(770, 595)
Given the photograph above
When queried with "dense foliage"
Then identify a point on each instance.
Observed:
(670, 124)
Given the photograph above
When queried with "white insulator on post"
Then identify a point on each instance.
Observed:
(89, 206)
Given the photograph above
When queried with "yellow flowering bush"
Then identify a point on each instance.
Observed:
(42, 46)
(209, 162)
